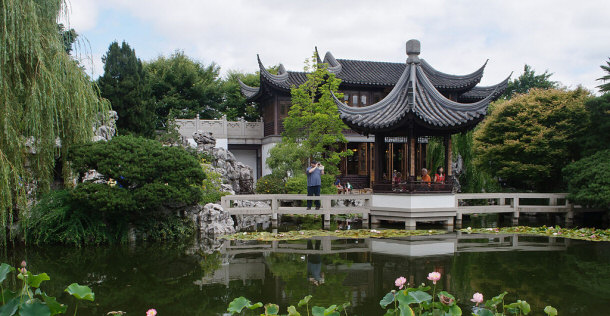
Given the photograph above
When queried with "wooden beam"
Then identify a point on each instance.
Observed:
(448, 158)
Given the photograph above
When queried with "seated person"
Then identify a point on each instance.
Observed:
(425, 177)
(340, 188)
(348, 187)
(440, 175)
(397, 178)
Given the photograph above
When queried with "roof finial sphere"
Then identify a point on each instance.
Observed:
(413, 47)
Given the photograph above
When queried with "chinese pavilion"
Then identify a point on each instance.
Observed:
(400, 104)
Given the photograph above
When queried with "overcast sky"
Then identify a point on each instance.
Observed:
(567, 38)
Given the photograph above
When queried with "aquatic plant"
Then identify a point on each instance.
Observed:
(407, 302)
(417, 301)
(590, 234)
(353, 233)
(28, 299)
(240, 303)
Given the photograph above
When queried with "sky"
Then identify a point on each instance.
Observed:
(569, 39)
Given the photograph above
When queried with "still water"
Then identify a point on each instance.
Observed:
(202, 277)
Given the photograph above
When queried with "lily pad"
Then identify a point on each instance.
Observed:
(590, 234)
(347, 234)
(81, 292)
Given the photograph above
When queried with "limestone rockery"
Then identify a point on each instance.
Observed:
(239, 176)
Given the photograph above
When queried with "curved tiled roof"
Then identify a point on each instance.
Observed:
(479, 93)
(445, 81)
(414, 97)
(370, 73)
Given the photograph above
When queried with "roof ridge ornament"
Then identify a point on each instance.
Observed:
(413, 50)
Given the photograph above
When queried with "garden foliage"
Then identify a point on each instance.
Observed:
(313, 121)
(125, 85)
(527, 140)
(27, 299)
(45, 96)
(588, 180)
(270, 184)
(141, 182)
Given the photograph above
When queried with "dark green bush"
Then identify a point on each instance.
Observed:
(588, 180)
(142, 179)
(148, 175)
(298, 184)
(55, 220)
(270, 184)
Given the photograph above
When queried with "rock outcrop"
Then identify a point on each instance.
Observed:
(239, 176)
(105, 128)
(211, 219)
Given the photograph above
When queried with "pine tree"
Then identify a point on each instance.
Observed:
(124, 85)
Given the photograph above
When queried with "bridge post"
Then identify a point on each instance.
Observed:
(365, 216)
(326, 205)
(274, 215)
(569, 214)
(410, 224)
(458, 219)
(515, 205)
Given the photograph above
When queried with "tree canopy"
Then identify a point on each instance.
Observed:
(588, 180)
(527, 140)
(234, 105)
(597, 136)
(184, 87)
(124, 85)
(605, 87)
(44, 97)
(313, 121)
(528, 80)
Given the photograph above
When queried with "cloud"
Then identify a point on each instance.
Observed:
(456, 36)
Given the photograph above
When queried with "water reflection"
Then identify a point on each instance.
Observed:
(203, 277)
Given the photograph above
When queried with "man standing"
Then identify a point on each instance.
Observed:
(314, 181)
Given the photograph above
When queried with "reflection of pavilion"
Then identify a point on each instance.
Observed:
(247, 261)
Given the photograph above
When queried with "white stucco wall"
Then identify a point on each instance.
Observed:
(222, 143)
(247, 157)
(434, 201)
(264, 155)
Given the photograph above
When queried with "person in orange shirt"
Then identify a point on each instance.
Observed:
(425, 177)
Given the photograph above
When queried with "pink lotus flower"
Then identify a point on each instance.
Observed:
(151, 312)
(400, 282)
(23, 264)
(434, 276)
(477, 298)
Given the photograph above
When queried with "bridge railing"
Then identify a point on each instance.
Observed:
(276, 205)
(515, 203)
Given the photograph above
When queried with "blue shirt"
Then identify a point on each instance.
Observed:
(314, 178)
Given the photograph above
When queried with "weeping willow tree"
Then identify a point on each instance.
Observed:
(44, 97)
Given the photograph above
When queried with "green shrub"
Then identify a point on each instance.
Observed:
(163, 228)
(54, 220)
(270, 184)
(588, 180)
(143, 179)
(211, 185)
(148, 175)
(298, 184)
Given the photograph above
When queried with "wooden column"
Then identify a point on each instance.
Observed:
(412, 172)
(448, 158)
(379, 157)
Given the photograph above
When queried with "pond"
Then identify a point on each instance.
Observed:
(202, 277)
